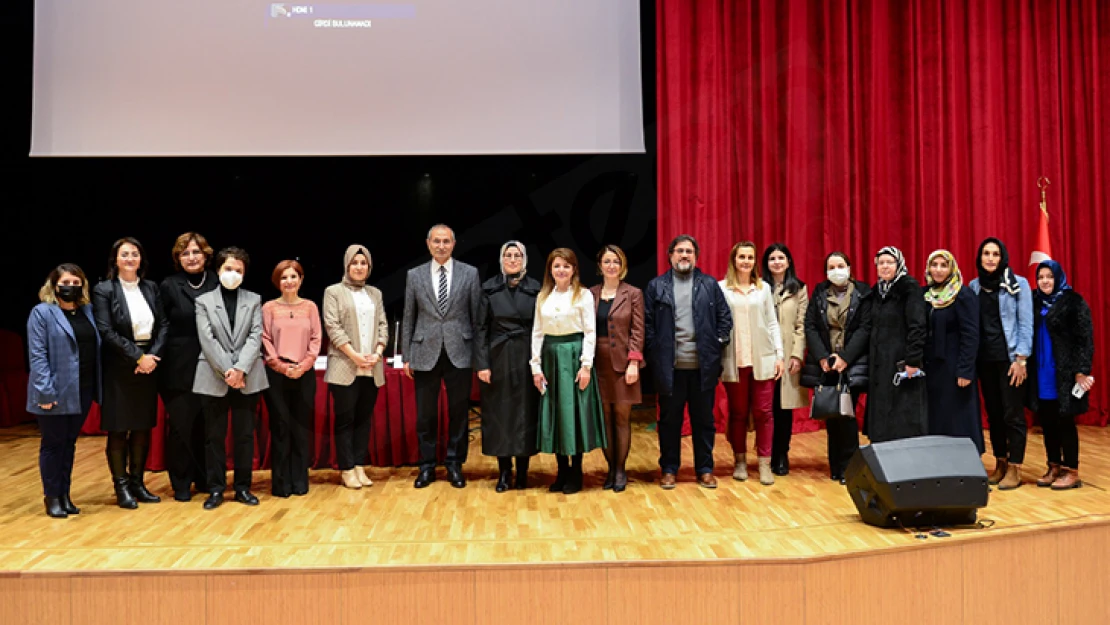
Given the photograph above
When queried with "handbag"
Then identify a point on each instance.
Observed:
(832, 401)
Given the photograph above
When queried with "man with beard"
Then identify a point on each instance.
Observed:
(687, 325)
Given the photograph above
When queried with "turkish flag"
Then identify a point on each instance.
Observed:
(1042, 248)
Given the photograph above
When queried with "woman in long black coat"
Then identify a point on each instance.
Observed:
(896, 411)
(1063, 349)
(509, 399)
(950, 349)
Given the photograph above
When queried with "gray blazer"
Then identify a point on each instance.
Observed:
(425, 332)
(223, 347)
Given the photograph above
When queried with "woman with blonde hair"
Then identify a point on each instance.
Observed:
(752, 363)
(63, 348)
(564, 338)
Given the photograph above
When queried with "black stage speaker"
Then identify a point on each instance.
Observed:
(924, 481)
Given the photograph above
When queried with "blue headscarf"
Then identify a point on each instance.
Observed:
(1061, 284)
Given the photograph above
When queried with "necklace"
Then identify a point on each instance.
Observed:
(204, 276)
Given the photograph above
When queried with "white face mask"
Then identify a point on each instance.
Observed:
(231, 279)
(839, 277)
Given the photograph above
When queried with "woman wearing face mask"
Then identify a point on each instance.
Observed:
(358, 331)
(63, 349)
(838, 331)
(509, 402)
(178, 369)
(752, 363)
(619, 307)
(791, 303)
(290, 343)
(132, 326)
(564, 336)
(1005, 342)
(950, 347)
(896, 410)
(230, 375)
(1063, 349)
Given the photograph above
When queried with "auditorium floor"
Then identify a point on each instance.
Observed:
(391, 524)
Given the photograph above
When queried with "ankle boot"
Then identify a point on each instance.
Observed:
(138, 472)
(766, 477)
(1050, 475)
(350, 479)
(117, 465)
(561, 476)
(67, 505)
(505, 473)
(574, 476)
(1012, 479)
(522, 472)
(363, 479)
(1068, 478)
(780, 465)
(54, 507)
(740, 472)
(999, 472)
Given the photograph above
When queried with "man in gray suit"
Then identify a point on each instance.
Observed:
(442, 298)
(230, 375)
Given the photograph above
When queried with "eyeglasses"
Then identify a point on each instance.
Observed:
(191, 253)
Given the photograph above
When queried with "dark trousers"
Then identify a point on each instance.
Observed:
(843, 440)
(243, 411)
(784, 426)
(686, 391)
(354, 405)
(291, 404)
(1061, 437)
(58, 444)
(458, 382)
(185, 443)
(1005, 411)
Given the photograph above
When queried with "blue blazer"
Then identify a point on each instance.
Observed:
(55, 367)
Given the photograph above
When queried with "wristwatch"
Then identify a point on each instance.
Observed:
(1021, 361)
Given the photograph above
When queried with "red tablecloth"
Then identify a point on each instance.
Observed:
(392, 428)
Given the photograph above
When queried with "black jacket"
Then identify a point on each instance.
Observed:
(1073, 348)
(113, 321)
(712, 327)
(179, 362)
(856, 336)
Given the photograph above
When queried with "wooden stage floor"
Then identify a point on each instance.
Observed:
(804, 515)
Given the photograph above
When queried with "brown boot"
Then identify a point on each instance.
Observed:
(1069, 478)
(1049, 476)
(999, 471)
(740, 472)
(1012, 479)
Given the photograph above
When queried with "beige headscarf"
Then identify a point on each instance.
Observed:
(352, 251)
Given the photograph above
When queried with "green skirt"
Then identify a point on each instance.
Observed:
(571, 421)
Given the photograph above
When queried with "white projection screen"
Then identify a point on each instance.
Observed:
(252, 77)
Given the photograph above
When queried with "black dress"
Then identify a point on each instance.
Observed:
(510, 400)
(897, 336)
(130, 399)
(950, 352)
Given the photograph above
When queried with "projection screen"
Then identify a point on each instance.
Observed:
(246, 77)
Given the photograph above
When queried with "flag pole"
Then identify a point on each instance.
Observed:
(1042, 184)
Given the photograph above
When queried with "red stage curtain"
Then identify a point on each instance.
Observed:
(835, 125)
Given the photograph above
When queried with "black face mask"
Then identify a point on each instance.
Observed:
(69, 293)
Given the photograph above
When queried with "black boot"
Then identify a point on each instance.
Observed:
(117, 465)
(561, 477)
(780, 465)
(505, 477)
(54, 507)
(574, 479)
(522, 472)
(140, 448)
(67, 505)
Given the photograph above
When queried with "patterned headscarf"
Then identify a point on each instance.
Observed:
(1061, 284)
(513, 279)
(1002, 277)
(890, 250)
(942, 294)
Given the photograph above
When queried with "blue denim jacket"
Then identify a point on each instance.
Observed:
(1017, 317)
(55, 367)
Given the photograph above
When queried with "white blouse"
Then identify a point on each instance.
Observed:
(364, 315)
(142, 318)
(559, 316)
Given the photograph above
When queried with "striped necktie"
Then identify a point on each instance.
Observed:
(441, 293)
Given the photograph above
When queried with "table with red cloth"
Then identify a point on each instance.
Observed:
(393, 440)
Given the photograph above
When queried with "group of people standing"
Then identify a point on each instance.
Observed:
(559, 364)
